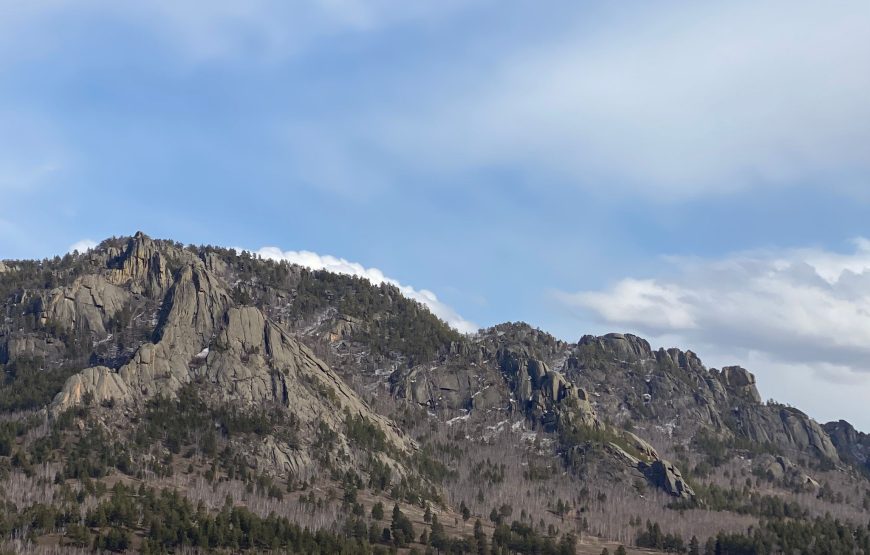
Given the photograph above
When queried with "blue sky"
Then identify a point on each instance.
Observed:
(693, 172)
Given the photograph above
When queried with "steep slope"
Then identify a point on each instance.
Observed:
(234, 354)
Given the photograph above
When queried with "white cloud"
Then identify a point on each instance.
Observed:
(341, 266)
(82, 246)
(668, 99)
(648, 303)
(804, 309)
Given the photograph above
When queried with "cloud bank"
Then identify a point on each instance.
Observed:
(341, 266)
(82, 246)
(669, 100)
(803, 305)
(804, 311)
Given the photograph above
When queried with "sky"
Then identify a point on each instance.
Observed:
(696, 173)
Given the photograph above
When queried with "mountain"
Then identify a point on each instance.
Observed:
(158, 397)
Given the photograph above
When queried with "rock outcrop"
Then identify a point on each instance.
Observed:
(672, 389)
(197, 303)
(558, 402)
(235, 354)
(86, 306)
(452, 388)
(98, 383)
(852, 446)
(781, 469)
(787, 428)
(255, 361)
(668, 477)
(642, 446)
(142, 267)
(624, 347)
(742, 382)
(23, 345)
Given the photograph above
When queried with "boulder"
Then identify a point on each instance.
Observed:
(742, 382)
(665, 475)
(686, 360)
(622, 456)
(623, 347)
(770, 466)
(641, 445)
(783, 470)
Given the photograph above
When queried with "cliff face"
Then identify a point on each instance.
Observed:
(611, 381)
(234, 353)
(852, 445)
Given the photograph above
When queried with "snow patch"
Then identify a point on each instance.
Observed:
(458, 419)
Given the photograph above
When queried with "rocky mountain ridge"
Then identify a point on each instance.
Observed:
(329, 374)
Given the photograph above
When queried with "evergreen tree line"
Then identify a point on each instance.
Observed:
(819, 536)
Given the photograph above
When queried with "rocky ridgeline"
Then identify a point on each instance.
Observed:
(234, 353)
(138, 318)
(852, 445)
(602, 382)
(506, 376)
(674, 389)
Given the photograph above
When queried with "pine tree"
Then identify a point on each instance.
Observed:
(378, 511)
(438, 538)
(480, 536)
(401, 528)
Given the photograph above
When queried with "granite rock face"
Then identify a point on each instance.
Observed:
(673, 391)
(87, 305)
(97, 384)
(787, 428)
(22, 345)
(625, 347)
(450, 387)
(852, 445)
(741, 382)
(782, 470)
(668, 477)
(143, 267)
(236, 354)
